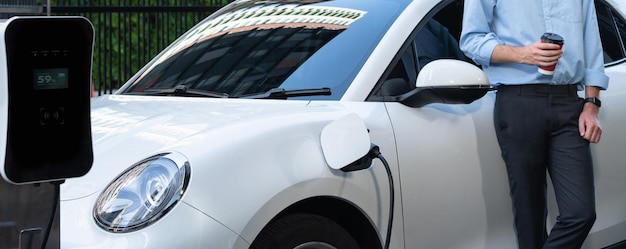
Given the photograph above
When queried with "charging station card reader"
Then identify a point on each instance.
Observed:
(45, 91)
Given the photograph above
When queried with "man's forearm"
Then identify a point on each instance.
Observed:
(505, 54)
(538, 53)
(592, 91)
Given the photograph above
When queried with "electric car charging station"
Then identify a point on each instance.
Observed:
(45, 127)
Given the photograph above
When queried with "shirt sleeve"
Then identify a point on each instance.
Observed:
(594, 55)
(477, 40)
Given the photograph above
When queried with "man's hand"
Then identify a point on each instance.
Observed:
(589, 123)
(541, 54)
(538, 53)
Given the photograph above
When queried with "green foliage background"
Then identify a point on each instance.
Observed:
(128, 33)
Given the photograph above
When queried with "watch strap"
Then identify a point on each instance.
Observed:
(594, 100)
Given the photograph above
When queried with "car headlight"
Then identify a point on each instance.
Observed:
(144, 193)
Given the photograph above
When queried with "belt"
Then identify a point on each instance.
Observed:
(540, 89)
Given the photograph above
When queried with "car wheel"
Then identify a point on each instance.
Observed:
(304, 231)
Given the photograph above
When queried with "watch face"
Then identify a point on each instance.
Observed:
(594, 100)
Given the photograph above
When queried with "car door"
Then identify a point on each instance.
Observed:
(455, 192)
(453, 181)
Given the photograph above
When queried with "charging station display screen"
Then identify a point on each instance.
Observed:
(50, 78)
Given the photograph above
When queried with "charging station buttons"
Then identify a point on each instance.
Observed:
(52, 116)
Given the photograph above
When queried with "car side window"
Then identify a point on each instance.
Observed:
(612, 33)
(434, 42)
(436, 39)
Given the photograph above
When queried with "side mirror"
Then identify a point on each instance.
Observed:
(447, 81)
(345, 143)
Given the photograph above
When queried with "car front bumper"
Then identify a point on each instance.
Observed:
(183, 227)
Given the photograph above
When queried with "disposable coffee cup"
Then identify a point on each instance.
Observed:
(554, 39)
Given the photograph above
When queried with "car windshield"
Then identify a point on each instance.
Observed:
(248, 49)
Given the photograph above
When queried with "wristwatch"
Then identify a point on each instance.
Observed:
(594, 100)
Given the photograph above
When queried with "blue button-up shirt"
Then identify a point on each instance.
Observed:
(487, 23)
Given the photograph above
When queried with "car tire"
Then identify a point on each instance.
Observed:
(304, 231)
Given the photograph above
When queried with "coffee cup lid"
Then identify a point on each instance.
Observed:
(552, 37)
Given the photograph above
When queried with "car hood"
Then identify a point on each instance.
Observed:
(127, 129)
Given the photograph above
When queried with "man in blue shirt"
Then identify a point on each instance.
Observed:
(540, 122)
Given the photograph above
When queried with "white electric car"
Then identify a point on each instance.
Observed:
(320, 124)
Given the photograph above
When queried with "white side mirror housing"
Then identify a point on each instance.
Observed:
(451, 73)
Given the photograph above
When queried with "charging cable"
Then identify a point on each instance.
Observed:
(375, 153)
(53, 212)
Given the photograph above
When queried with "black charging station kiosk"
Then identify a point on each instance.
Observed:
(45, 127)
(48, 66)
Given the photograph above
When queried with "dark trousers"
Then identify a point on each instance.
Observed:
(537, 129)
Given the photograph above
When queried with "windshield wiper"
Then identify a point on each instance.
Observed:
(281, 93)
(182, 90)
